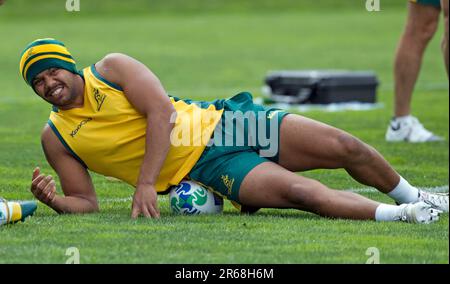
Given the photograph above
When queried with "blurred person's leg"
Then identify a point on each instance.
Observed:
(421, 25)
(420, 28)
(444, 5)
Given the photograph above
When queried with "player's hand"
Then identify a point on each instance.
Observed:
(145, 202)
(43, 187)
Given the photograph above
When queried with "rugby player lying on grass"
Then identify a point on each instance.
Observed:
(115, 118)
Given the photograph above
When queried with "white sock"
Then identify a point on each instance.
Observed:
(402, 118)
(386, 212)
(404, 192)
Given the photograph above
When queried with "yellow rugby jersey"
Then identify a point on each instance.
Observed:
(107, 134)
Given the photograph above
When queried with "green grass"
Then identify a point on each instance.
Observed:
(210, 55)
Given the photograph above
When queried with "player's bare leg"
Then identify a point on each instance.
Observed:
(269, 185)
(444, 5)
(307, 144)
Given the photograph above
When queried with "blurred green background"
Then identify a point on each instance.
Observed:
(201, 46)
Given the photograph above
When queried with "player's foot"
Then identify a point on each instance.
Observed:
(409, 129)
(436, 200)
(14, 211)
(419, 212)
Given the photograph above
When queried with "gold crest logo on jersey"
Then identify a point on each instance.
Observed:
(99, 98)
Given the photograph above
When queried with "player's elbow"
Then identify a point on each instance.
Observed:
(93, 208)
(91, 205)
(165, 115)
(171, 113)
(79, 205)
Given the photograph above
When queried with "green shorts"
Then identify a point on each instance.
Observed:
(435, 3)
(247, 135)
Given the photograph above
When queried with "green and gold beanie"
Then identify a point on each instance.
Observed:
(43, 54)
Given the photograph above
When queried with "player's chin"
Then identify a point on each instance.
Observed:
(59, 101)
(62, 98)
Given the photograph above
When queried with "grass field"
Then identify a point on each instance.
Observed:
(215, 53)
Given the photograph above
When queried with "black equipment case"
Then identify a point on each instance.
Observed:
(322, 86)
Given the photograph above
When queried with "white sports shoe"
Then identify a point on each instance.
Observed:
(436, 200)
(419, 212)
(409, 130)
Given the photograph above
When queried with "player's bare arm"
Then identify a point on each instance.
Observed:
(145, 92)
(79, 195)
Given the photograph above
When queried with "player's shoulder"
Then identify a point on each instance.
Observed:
(49, 140)
(46, 132)
(111, 60)
(113, 66)
(48, 137)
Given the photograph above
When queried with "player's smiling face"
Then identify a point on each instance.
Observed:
(56, 86)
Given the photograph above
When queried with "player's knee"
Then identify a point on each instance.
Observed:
(306, 195)
(423, 33)
(352, 149)
(427, 32)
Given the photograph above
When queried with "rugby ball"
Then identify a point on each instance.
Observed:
(191, 198)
